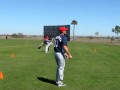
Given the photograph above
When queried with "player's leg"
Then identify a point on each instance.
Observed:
(47, 47)
(60, 69)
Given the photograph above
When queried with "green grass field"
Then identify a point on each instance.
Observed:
(32, 69)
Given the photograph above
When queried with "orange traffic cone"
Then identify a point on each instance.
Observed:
(12, 55)
(1, 75)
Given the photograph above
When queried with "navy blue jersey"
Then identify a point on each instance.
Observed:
(60, 41)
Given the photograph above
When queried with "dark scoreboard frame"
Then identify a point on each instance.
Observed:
(53, 31)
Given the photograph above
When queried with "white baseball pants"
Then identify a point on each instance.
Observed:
(47, 47)
(60, 67)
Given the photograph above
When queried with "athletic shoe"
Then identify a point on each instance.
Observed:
(61, 85)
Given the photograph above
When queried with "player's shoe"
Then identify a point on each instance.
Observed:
(60, 84)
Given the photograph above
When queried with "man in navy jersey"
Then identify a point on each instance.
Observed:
(61, 53)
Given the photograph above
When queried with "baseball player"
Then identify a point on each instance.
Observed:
(46, 42)
(61, 53)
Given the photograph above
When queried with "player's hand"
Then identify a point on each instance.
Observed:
(66, 55)
(70, 56)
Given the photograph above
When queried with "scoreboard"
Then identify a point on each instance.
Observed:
(53, 31)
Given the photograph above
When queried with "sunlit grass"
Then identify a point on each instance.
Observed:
(93, 67)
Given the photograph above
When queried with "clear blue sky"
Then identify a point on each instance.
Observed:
(29, 16)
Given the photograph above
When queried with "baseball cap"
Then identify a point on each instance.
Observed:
(63, 29)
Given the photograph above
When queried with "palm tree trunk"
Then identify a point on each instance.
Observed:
(118, 39)
(73, 32)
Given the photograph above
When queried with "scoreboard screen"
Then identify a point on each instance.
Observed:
(53, 31)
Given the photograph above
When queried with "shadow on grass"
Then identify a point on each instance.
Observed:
(46, 80)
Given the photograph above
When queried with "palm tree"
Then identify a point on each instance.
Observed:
(74, 22)
(116, 30)
(96, 33)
